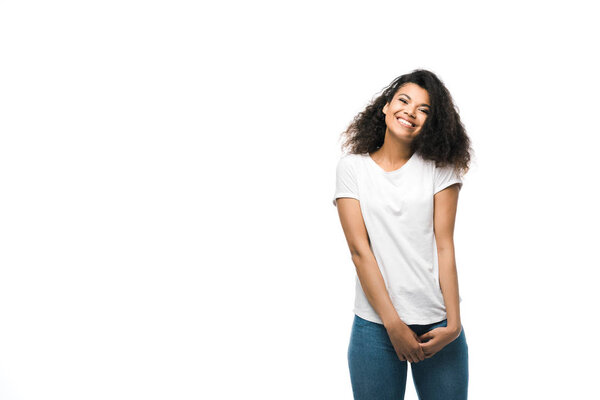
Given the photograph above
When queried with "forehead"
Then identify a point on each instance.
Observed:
(414, 91)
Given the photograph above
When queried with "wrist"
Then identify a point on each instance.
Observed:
(456, 329)
(393, 323)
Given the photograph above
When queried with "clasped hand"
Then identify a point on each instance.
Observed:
(436, 339)
(413, 348)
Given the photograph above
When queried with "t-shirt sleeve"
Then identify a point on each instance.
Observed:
(444, 177)
(345, 180)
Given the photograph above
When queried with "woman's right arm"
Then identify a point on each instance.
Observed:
(405, 341)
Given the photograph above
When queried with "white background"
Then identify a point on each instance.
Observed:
(166, 175)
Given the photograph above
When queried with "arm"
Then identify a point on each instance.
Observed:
(445, 205)
(364, 260)
(405, 341)
(444, 214)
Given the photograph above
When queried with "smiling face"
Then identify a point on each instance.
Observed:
(407, 112)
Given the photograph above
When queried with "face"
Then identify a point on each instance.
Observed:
(407, 112)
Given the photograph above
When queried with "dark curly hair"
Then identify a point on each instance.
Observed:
(442, 139)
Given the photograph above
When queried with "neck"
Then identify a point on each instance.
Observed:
(394, 152)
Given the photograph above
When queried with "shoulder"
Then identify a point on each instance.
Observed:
(423, 163)
(431, 164)
(352, 156)
(424, 160)
(349, 160)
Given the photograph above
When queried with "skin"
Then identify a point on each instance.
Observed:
(411, 103)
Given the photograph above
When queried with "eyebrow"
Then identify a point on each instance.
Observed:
(424, 104)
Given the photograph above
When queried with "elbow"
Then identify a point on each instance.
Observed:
(358, 252)
(355, 255)
(445, 246)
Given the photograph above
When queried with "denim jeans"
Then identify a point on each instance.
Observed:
(377, 373)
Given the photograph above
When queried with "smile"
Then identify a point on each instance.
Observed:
(406, 123)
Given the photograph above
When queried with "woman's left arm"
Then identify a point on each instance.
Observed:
(444, 216)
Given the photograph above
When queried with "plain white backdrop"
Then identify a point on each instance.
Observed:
(166, 175)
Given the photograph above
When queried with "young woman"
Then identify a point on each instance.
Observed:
(397, 194)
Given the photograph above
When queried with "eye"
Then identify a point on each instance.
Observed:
(425, 111)
(402, 100)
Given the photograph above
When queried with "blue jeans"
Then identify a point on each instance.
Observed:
(377, 373)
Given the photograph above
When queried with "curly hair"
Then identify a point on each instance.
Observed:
(443, 137)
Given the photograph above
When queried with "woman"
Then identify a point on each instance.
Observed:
(397, 194)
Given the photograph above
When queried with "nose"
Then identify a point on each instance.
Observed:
(409, 113)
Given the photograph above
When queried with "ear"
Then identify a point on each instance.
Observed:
(385, 108)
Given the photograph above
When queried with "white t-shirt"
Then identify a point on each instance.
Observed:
(397, 208)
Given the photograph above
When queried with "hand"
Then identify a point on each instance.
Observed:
(433, 341)
(406, 343)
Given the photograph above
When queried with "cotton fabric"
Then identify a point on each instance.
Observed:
(397, 208)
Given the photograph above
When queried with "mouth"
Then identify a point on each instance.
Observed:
(405, 122)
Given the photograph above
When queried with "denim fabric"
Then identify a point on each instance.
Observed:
(377, 373)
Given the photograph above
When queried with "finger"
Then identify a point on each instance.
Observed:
(426, 336)
(432, 341)
(417, 356)
(426, 351)
(417, 338)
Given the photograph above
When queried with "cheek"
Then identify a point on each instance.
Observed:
(389, 119)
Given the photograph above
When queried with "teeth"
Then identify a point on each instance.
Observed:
(405, 123)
